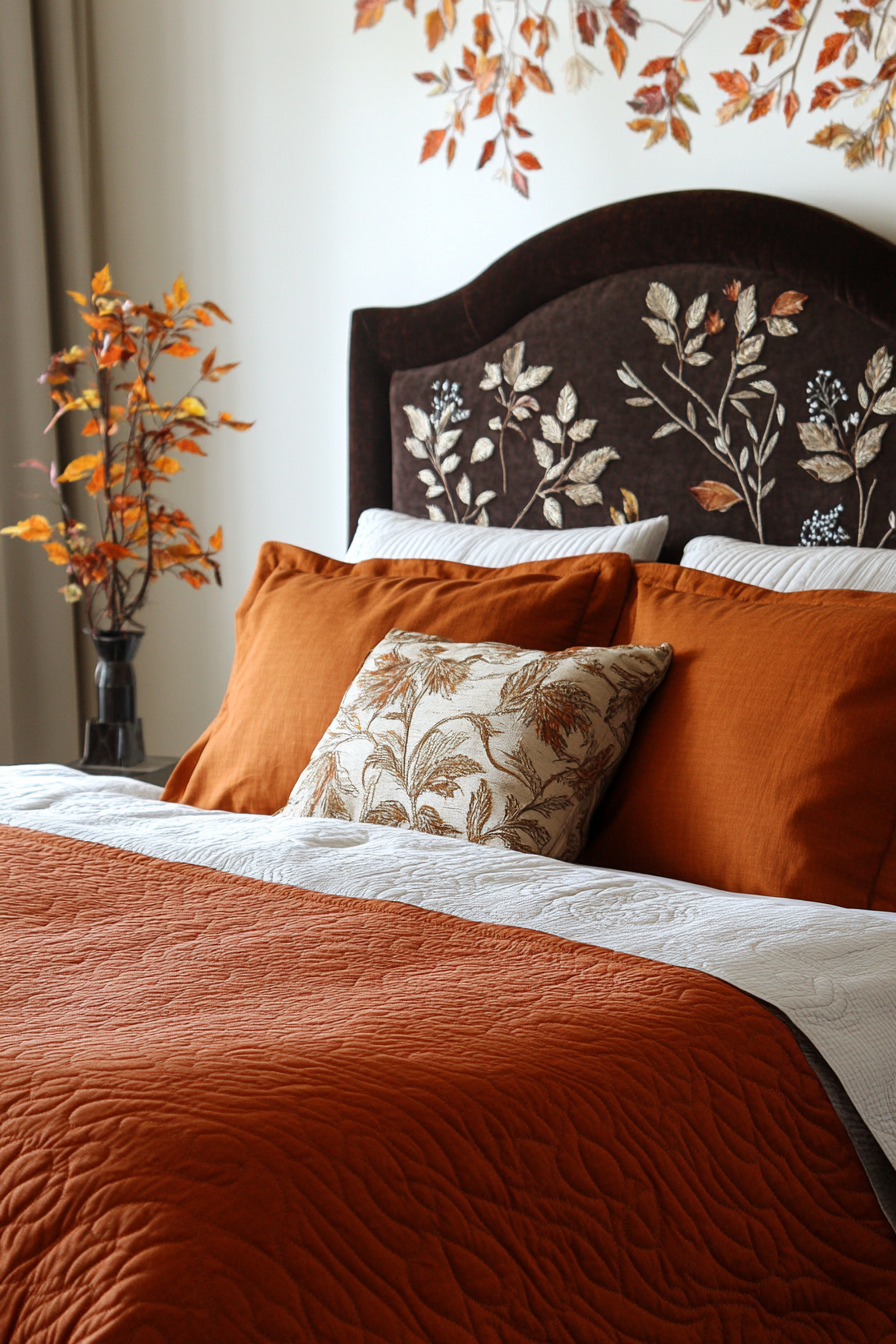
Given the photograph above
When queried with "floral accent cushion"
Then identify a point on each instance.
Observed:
(487, 742)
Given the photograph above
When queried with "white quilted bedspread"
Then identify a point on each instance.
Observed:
(832, 971)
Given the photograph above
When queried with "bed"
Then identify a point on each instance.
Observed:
(287, 1059)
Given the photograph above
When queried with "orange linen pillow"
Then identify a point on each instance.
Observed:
(307, 623)
(766, 762)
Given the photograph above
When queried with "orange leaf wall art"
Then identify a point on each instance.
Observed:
(501, 56)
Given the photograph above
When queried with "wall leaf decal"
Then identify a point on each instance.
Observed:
(505, 58)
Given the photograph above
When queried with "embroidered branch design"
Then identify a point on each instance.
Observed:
(516, 403)
(844, 447)
(513, 382)
(569, 475)
(432, 441)
(748, 461)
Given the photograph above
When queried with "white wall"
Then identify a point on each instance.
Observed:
(271, 155)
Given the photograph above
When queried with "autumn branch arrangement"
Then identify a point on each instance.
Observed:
(140, 445)
(506, 58)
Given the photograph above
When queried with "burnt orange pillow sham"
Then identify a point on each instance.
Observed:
(766, 762)
(307, 623)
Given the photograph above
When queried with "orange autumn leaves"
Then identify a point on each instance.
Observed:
(788, 39)
(502, 62)
(486, 86)
(140, 444)
(509, 42)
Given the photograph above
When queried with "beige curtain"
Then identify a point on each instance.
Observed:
(47, 243)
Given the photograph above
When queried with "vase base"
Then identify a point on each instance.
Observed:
(119, 744)
(153, 770)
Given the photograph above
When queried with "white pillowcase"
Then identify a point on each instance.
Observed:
(793, 569)
(385, 535)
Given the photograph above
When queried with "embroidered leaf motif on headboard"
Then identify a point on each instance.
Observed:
(845, 447)
(565, 474)
(744, 450)
(509, 436)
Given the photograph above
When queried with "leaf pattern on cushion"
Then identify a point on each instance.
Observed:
(495, 744)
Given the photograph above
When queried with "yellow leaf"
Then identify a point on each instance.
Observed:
(113, 551)
(227, 419)
(78, 298)
(193, 577)
(79, 468)
(435, 28)
(97, 481)
(178, 554)
(169, 465)
(191, 406)
(218, 312)
(102, 281)
(368, 13)
(181, 349)
(35, 528)
(57, 552)
(216, 540)
(181, 293)
(630, 504)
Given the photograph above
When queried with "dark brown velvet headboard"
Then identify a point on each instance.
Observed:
(611, 305)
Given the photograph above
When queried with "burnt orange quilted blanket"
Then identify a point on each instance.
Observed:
(240, 1112)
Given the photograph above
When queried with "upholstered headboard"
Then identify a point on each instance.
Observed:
(712, 355)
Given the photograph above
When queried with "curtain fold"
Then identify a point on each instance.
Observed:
(46, 245)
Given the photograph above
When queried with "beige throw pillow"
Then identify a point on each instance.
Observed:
(488, 742)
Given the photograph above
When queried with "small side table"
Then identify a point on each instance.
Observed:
(154, 770)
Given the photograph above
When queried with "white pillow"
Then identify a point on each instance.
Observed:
(793, 569)
(385, 535)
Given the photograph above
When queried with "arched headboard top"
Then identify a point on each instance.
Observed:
(588, 299)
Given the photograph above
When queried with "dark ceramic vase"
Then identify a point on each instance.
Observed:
(115, 736)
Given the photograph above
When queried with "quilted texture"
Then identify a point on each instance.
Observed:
(234, 1111)
(793, 569)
